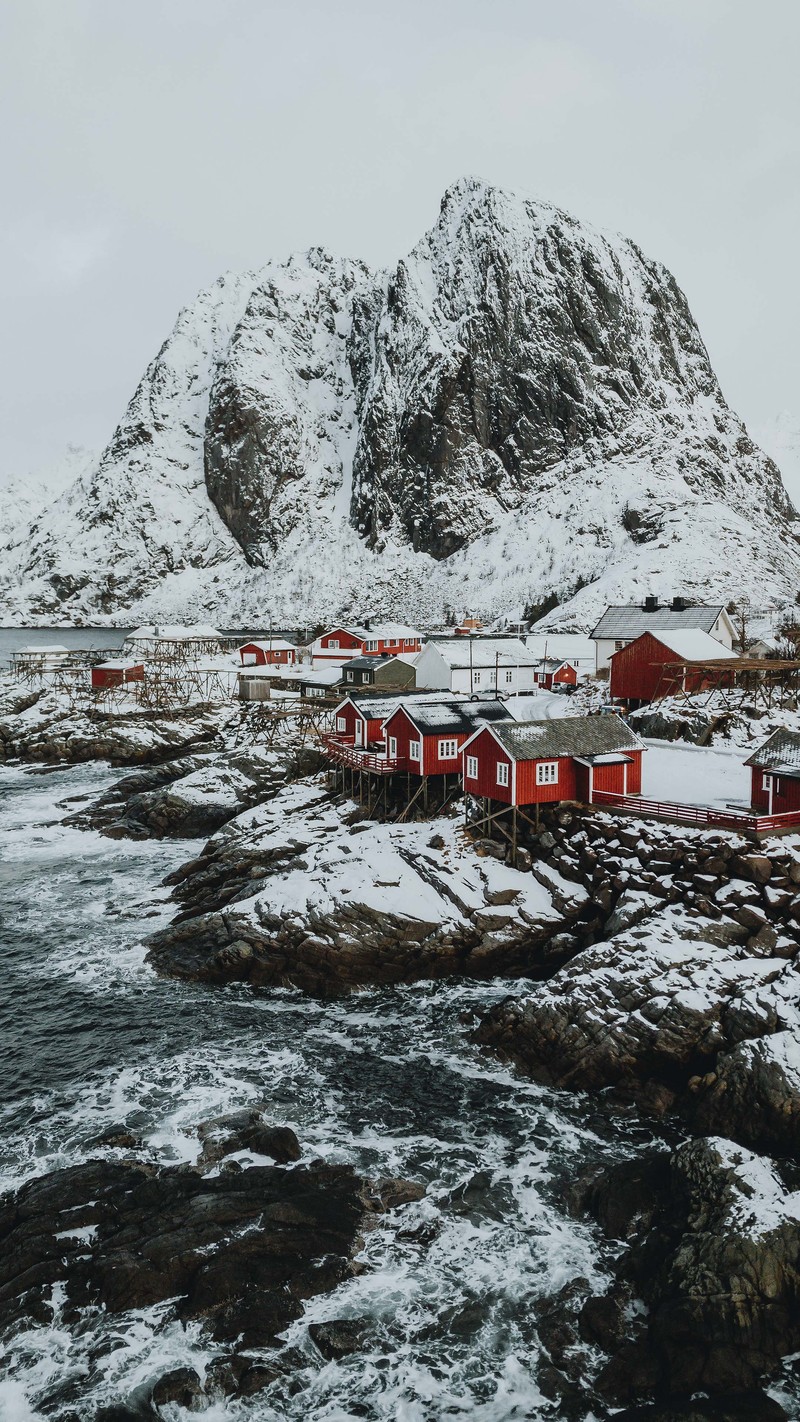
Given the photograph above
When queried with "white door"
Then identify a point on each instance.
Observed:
(359, 731)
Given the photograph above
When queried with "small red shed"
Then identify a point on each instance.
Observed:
(550, 672)
(275, 652)
(535, 762)
(664, 662)
(425, 736)
(775, 768)
(116, 673)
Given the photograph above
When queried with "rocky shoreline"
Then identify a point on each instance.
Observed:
(654, 963)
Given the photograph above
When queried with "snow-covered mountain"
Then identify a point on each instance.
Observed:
(522, 410)
(780, 438)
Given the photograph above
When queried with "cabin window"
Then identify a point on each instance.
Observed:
(391, 641)
(472, 767)
(371, 646)
(333, 643)
(393, 747)
(476, 678)
(766, 782)
(618, 646)
(350, 676)
(365, 676)
(414, 750)
(509, 677)
(448, 750)
(502, 772)
(409, 642)
(547, 772)
(341, 723)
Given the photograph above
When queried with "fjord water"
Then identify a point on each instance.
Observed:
(387, 1080)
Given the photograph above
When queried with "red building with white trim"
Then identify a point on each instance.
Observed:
(425, 736)
(775, 768)
(540, 762)
(276, 652)
(552, 673)
(341, 644)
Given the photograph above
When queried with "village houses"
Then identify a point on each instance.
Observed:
(620, 625)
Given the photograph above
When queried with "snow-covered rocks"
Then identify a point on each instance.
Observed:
(523, 408)
(42, 725)
(301, 891)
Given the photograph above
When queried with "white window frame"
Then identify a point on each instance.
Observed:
(364, 677)
(766, 781)
(391, 642)
(476, 678)
(414, 750)
(350, 675)
(472, 767)
(393, 747)
(502, 773)
(547, 772)
(448, 748)
(333, 644)
(509, 678)
(371, 646)
(341, 723)
(410, 642)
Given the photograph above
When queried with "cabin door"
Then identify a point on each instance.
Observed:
(583, 784)
(359, 731)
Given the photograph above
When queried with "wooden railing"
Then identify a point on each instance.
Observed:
(358, 757)
(701, 816)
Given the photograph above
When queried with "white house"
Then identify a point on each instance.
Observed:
(573, 647)
(476, 664)
(620, 625)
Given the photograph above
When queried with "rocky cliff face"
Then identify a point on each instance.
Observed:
(522, 409)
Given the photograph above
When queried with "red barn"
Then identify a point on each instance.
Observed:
(276, 652)
(425, 736)
(533, 762)
(775, 769)
(647, 666)
(550, 672)
(117, 673)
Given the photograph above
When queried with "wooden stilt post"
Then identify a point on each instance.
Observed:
(514, 835)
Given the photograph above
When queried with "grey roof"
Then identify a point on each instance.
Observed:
(371, 663)
(455, 717)
(376, 705)
(585, 736)
(780, 753)
(621, 622)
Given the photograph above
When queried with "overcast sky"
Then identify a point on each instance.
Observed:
(149, 146)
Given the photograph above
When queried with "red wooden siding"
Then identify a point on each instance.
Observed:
(634, 677)
(572, 782)
(431, 763)
(785, 792)
(264, 656)
(488, 753)
(371, 727)
(116, 676)
(566, 676)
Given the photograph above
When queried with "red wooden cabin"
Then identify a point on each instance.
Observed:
(536, 762)
(341, 644)
(775, 769)
(276, 652)
(359, 720)
(425, 737)
(116, 673)
(661, 663)
(550, 673)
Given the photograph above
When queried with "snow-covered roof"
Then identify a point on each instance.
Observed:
(118, 665)
(385, 631)
(572, 735)
(485, 652)
(568, 646)
(175, 632)
(630, 622)
(321, 676)
(55, 650)
(781, 753)
(442, 717)
(552, 664)
(276, 644)
(694, 645)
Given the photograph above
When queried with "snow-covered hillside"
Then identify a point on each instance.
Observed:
(523, 409)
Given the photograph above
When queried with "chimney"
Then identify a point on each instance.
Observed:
(651, 604)
(679, 604)
(367, 627)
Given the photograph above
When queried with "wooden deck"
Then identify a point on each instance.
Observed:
(699, 816)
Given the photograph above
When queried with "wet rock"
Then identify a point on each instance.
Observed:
(754, 1095)
(240, 1251)
(181, 1386)
(339, 1337)
(247, 1130)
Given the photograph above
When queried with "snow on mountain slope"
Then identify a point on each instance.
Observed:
(524, 409)
(780, 437)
